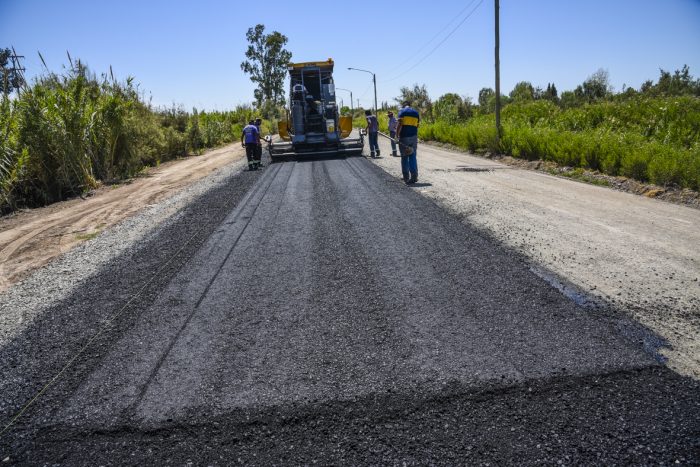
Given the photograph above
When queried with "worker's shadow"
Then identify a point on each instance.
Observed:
(419, 185)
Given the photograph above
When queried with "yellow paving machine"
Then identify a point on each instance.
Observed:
(313, 126)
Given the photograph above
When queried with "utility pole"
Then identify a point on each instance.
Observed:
(16, 71)
(352, 112)
(374, 81)
(498, 79)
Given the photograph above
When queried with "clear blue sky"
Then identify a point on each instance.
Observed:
(190, 52)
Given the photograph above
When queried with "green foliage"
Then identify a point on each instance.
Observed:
(66, 133)
(266, 63)
(419, 98)
(523, 91)
(452, 108)
(649, 139)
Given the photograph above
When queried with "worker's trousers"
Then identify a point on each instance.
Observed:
(409, 164)
(393, 143)
(251, 154)
(373, 143)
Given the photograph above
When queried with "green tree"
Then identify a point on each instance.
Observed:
(523, 91)
(596, 87)
(452, 108)
(549, 94)
(677, 84)
(485, 96)
(266, 63)
(10, 79)
(569, 99)
(419, 98)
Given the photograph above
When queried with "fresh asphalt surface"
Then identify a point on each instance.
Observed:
(321, 311)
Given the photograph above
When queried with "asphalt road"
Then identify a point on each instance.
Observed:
(321, 311)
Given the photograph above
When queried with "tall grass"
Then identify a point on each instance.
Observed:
(649, 139)
(67, 132)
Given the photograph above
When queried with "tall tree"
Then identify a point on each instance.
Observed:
(487, 101)
(419, 98)
(523, 91)
(266, 63)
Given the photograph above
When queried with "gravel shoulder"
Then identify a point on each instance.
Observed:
(639, 256)
(32, 238)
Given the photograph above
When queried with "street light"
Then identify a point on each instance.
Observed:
(374, 80)
(352, 111)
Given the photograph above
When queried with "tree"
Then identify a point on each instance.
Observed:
(485, 96)
(549, 94)
(678, 84)
(266, 63)
(10, 79)
(597, 86)
(419, 98)
(523, 91)
(452, 108)
(569, 99)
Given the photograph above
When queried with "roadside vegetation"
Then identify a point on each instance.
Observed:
(651, 134)
(67, 133)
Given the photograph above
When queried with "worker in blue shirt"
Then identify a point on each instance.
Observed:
(250, 139)
(407, 131)
(373, 133)
(393, 124)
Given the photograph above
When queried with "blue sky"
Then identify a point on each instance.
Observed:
(190, 52)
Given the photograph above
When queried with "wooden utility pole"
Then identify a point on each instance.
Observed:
(16, 70)
(498, 80)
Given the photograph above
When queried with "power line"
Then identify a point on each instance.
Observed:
(454, 18)
(438, 44)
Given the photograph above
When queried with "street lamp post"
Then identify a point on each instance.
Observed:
(374, 81)
(352, 111)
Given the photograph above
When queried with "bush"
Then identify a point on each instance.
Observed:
(66, 133)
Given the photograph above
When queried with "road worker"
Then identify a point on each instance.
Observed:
(407, 131)
(393, 123)
(373, 133)
(258, 151)
(250, 140)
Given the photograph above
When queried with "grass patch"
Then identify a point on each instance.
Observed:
(87, 236)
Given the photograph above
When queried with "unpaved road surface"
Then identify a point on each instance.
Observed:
(639, 255)
(321, 311)
(30, 239)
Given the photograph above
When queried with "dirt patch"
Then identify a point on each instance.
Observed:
(29, 239)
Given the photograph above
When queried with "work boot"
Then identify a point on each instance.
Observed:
(393, 154)
(406, 178)
(377, 152)
(372, 155)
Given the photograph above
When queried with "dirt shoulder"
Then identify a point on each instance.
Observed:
(30, 239)
(635, 253)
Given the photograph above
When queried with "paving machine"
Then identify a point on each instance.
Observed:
(313, 126)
